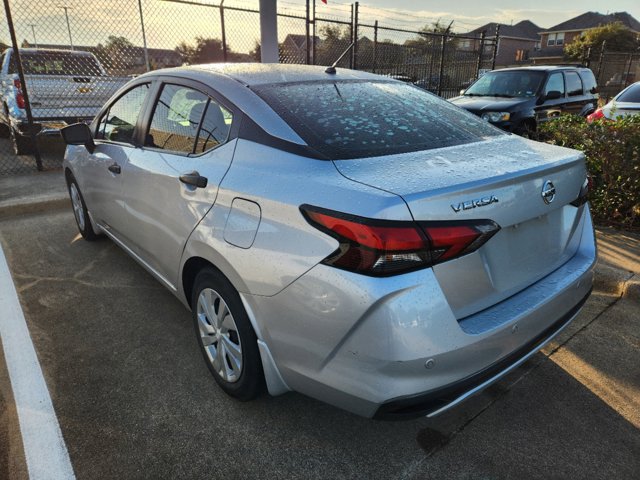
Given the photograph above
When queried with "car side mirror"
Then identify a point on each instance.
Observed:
(553, 95)
(78, 134)
(462, 91)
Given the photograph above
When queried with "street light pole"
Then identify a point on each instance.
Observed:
(66, 14)
(33, 29)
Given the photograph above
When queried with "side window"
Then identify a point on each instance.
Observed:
(176, 117)
(574, 84)
(589, 80)
(555, 83)
(118, 123)
(215, 127)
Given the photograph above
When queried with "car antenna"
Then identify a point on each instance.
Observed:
(332, 68)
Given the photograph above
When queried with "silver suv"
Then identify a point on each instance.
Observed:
(344, 235)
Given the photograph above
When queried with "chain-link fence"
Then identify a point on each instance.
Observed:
(615, 71)
(74, 54)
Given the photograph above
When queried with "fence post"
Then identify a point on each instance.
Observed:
(313, 39)
(144, 38)
(628, 74)
(495, 48)
(308, 35)
(442, 51)
(480, 52)
(602, 47)
(354, 35)
(25, 92)
(224, 33)
(375, 45)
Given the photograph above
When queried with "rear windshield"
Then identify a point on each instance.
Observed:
(57, 63)
(357, 119)
(631, 94)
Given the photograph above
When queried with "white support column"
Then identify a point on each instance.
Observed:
(269, 31)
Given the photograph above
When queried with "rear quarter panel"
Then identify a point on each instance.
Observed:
(285, 245)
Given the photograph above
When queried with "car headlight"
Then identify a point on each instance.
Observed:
(494, 117)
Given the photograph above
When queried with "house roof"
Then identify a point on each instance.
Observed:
(523, 29)
(594, 19)
(299, 40)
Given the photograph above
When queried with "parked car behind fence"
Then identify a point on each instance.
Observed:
(518, 99)
(64, 86)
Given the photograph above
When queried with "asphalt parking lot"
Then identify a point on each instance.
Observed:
(134, 398)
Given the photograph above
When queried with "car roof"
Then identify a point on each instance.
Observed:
(543, 68)
(232, 79)
(253, 74)
(53, 50)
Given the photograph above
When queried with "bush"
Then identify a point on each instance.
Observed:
(612, 150)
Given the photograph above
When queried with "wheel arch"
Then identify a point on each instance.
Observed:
(276, 385)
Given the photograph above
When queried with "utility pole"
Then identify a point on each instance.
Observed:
(33, 29)
(269, 31)
(66, 9)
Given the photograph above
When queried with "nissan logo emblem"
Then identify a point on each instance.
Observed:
(548, 192)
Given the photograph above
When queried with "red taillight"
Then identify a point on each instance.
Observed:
(386, 247)
(597, 115)
(19, 96)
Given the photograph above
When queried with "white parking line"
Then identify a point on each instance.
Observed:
(44, 448)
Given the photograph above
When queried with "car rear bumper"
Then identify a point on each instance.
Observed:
(392, 347)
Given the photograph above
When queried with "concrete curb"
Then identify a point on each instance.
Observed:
(19, 207)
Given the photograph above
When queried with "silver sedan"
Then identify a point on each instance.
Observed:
(627, 102)
(340, 234)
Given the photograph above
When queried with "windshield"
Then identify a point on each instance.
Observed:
(520, 83)
(357, 119)
(57, 63)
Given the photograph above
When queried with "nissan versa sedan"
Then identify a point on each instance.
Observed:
(339, 234)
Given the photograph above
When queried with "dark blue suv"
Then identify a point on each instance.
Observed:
(518, 99)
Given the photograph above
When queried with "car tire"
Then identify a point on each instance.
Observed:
(225, 336)
(21, 145)
(80, 212)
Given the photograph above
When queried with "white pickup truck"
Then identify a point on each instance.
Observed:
(64, 87)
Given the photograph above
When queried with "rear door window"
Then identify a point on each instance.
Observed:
(57, 63)
(356, 119)
(215, 127)
(119, 121)
(176, 118)
(574, 84)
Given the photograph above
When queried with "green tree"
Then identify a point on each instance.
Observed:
(256, 53)
(334, 39)
(117, 44)
(424, 39)
(207, 50)
(615, 36)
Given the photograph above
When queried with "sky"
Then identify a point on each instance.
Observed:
(168, 23)
(470, 13)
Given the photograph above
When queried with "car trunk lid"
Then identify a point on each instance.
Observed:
(500, 180)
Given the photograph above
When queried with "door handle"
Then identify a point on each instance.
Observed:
(194, 179)
(114, 168)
